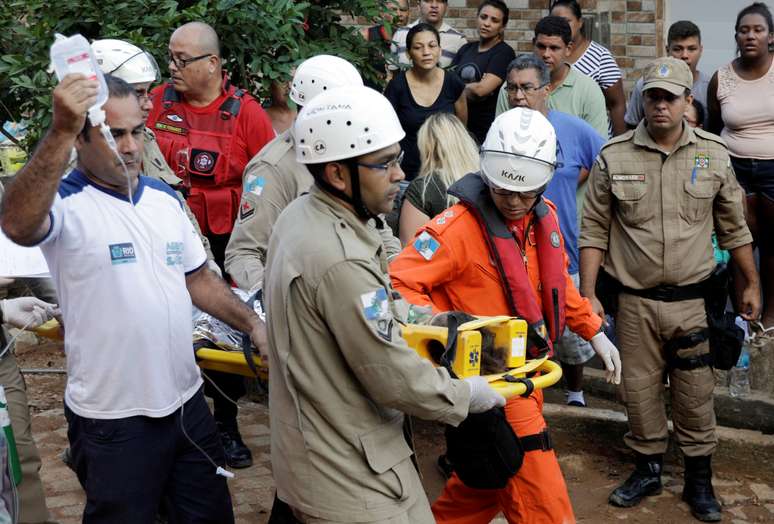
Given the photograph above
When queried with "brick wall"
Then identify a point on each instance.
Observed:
(633, 30)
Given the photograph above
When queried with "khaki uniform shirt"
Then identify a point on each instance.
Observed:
(272, 180)
(653, 212)
(341, 374)
(154, 166)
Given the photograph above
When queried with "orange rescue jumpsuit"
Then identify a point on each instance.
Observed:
(458, 275)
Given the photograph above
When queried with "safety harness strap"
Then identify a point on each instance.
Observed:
(230, 106)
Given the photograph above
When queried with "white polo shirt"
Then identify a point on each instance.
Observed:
(120, 279)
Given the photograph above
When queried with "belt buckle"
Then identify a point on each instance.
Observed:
(664, 293)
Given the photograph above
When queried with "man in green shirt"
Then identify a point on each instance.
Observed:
(571, 92)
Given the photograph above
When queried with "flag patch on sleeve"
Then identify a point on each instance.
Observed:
(375, 304)
(426, 245)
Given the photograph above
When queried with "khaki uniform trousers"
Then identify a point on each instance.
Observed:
(32, 500)
(643, 326)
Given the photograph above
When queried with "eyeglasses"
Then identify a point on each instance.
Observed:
(180, 63)
(142, 95)
(522, 195)
(395, 162)
(527, 89)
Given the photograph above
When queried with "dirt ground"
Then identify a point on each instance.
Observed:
(591, 453)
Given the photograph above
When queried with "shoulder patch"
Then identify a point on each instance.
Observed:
(254, 184)
(426, 245)
(375, 304)
(246, 210)
(444, 216)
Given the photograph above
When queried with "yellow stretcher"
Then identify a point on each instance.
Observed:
(509, 333)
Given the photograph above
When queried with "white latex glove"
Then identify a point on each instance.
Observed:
(609, 355)
(27, 312)
(482, 396)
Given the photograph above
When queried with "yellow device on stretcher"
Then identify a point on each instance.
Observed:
(509, 333)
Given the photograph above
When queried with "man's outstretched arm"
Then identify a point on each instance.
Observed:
(28, 199)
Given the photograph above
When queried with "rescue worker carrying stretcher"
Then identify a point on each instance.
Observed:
(499, 251)
(342, 376)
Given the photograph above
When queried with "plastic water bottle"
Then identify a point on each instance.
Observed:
(739, 375)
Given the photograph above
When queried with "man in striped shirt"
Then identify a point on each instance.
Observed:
(430, 12)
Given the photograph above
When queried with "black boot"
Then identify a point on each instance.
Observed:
(644, 482)
(698, 492)
(237, 454)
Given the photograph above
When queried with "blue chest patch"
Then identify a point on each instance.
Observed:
(174, 254)
(122, 253)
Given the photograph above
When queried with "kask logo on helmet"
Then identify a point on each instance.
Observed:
(510, 175)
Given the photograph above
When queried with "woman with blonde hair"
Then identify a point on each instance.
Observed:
(447, 153)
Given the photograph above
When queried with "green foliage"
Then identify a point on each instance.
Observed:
(262, 40)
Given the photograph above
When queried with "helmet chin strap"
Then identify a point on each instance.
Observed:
(356, 199)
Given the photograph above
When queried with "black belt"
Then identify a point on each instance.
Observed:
(537, 442)
(670, 293)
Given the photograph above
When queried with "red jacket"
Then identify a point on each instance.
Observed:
(209, 147)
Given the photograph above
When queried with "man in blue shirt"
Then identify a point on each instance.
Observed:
(527, 85)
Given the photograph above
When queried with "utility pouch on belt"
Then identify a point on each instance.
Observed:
(484, 450)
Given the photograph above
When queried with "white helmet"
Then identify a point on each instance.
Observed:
(344, 123)
(519, 153)
(321, 73)
(125, 61)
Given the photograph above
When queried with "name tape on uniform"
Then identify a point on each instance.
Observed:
(628, 178)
